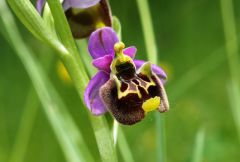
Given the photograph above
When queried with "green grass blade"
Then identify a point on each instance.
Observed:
(148, 31)
(65, 129)
(230, 32)
(234, 95)
(115, 131)
(25, 128)
(232, 51)
(199, 146)
(124, 147)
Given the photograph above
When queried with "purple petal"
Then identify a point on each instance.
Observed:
(130, 51)
(101, 42)
(103, 63)
(79, 3)
(91, 94)
(39, 5)
(156, 69)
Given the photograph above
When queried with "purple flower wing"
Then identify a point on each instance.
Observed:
(79, 3)
(156, 69)
(91, 95)
(103, 63)
(130, 51)
(39, 5)
(101, 42)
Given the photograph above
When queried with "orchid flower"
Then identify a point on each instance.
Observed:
(84, 16)
(123, 86)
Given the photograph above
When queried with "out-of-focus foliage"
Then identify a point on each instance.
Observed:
(191, 47)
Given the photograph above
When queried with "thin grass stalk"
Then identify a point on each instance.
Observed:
(25, 127)
(152, 54)
(232, 51)
(199, 146)
(124, 147)
(148, 30)
(233, 95)
(76, 67)
(105, 142)
(115, 131)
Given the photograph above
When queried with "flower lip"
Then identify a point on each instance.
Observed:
(129, 99)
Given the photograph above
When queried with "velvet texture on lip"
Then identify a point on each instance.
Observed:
(123, 86)
(84, 16)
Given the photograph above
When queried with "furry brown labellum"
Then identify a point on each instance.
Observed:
(129, 94)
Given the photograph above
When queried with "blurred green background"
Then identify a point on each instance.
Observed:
(191, 48)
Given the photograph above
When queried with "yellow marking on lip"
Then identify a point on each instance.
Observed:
(151, 104)
(128, 91)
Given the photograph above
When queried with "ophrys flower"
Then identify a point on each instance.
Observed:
(125, 87)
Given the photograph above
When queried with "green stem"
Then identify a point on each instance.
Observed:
(78, 73)
(115, 131)
(161, 138)
(66, 131)
(32, 20)
(82, 45)
(148, 32)
(151, 47)
(73, 62)
(231, 38)
(199, 146)
(101, 130)
(124, 147)
(234, 94)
